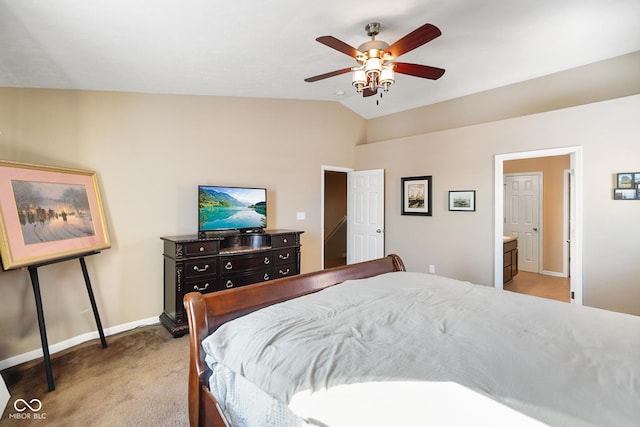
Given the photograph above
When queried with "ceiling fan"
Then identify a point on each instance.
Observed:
(376, 69)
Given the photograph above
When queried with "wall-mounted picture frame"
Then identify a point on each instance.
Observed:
(48, 213)
(462, 200)
(416, 195)
(625, 193)
(626, 180)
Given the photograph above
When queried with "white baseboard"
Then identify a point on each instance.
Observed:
(57, 347)
(554, 273)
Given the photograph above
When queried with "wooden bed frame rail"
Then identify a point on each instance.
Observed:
(205, 313)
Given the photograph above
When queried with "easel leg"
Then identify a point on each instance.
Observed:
(93, 302)
(33, 272)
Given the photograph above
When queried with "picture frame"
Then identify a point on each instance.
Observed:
(462, 200)
(626, 180)
(625, 193)
(416, 195)
(48, 213)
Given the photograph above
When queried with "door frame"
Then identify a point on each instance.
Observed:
(323, 170)
(576, 202)
(566, 221)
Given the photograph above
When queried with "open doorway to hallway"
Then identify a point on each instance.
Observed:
(335, 218)
(352, 215)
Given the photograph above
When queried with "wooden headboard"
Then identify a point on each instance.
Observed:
(205, 313)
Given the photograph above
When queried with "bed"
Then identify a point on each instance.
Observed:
(391, 347)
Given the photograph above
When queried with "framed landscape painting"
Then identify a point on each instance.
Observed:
(48, 213)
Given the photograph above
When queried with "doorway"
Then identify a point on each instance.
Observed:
(334, 223)
(352, 215)
(572, 239)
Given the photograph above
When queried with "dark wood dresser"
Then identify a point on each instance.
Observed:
(223, 261)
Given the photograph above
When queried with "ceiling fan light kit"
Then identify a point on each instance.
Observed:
(376, 69)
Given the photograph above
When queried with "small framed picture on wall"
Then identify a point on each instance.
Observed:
(626, 180)
(625, 193)
(464, 200)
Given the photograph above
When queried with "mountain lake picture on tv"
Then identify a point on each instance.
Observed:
(229, 208)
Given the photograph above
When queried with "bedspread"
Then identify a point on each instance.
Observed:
(557, 363)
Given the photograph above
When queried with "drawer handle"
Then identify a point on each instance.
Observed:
(201, 270)
(206, 285)
(229, 284)
(201, 249)
(284, 273)
(228, 266)
(266, 260)
(266, 276)
(285, 240)
(284, 257)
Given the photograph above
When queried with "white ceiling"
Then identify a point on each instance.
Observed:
(260, 48)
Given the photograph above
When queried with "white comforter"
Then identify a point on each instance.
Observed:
(430, 349)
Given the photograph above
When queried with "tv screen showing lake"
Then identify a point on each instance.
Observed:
(220, 218)
(223, 208)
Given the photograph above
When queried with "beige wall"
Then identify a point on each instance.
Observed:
(613, 78)
(553, 241)
(460, 244)
(150, 152)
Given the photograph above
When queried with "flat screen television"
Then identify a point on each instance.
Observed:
(231, 208)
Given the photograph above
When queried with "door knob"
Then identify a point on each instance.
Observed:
(535, 228)
(378, 231)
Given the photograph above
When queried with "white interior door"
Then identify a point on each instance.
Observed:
(365, 215)
(522, 217)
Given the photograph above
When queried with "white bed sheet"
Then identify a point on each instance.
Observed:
(550, 361)
(245, 405)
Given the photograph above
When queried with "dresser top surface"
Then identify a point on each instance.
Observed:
(223, 235)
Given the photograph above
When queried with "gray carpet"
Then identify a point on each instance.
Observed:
(139, 379)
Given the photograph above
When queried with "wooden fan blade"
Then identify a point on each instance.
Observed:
(327, 75)
(338, 45)
(414, 39)
(417, 70)
(368, 92)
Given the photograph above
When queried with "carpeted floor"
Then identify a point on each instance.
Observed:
(139, 379)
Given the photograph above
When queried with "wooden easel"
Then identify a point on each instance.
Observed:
(33, 272)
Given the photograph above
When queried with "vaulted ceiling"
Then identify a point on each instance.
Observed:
(253, 48)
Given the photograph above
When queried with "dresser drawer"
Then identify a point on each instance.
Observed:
(202, 248)
(284, 256)
(282, 240)
(203, 285)
(198, 269)
(237, 264)
(244, 279)
(284, 270)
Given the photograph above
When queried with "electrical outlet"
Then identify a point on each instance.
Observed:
(432, 268)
